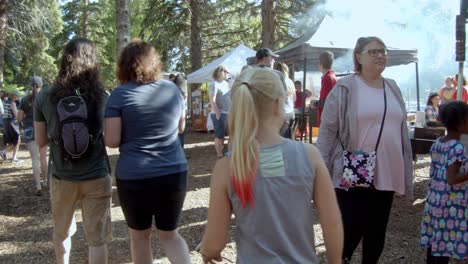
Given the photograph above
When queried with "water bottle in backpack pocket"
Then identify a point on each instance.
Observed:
(74, 133)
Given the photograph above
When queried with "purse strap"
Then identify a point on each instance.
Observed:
(384, 114)
(383, 119)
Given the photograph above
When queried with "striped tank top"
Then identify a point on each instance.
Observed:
(8, 114)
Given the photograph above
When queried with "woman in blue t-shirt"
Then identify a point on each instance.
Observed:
(143, 118)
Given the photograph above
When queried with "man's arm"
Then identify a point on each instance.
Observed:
(20, 116)
(40, 134)
(112, 131)
(181, 126)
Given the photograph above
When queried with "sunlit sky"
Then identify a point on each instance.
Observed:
(425, 25)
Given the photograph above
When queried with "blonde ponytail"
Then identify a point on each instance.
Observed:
(243, 125)
(253, 93)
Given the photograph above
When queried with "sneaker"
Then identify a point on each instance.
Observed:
(17, 161)
(3, 155)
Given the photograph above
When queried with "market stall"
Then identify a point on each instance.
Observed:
(233, 60)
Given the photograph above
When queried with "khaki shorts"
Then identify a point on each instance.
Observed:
(95, 196)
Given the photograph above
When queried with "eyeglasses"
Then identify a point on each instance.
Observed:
(376, 52)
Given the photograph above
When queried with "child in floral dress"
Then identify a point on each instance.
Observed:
(444, 226)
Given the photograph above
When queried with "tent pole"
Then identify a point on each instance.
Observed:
(460, 81)
(304, 97)
(417, 85)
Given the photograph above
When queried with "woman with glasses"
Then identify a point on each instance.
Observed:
(364, 140)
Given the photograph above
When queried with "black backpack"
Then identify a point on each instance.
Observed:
(74, 134)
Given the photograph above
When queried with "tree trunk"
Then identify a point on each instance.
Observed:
(122, 10)
(268, 23)
(195, 39)
(2, 39)
(84, 26)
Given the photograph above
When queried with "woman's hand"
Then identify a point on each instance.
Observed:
(211, 259)
(207, 259)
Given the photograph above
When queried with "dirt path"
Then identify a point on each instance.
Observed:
(26, 226)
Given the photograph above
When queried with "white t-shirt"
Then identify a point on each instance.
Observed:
(222, 95)
(289, 102)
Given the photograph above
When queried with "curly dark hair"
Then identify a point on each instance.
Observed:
(429, 98)
(78, 70)
(453, 114)
(138, 62)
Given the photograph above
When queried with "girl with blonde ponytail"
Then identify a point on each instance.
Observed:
(269, 182)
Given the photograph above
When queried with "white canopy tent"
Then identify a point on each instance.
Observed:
(234, 60)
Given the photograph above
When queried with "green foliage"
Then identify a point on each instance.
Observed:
(101, 30)
(30, 25)
(224, 25)
(38, 30)
(166, 25)
(10, 87)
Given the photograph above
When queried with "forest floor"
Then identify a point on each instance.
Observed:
(26, 225)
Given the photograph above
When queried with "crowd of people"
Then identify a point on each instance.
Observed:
(273, 185)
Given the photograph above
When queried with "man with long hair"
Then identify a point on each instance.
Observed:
(85, 179)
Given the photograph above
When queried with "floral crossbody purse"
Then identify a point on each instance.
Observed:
(359, 166)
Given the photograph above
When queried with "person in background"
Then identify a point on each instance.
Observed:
(171, 77)
(25, 116)
(328, 80)
(179, 81)
(11, 129)
(220, 100)
(1, 110)
(268, 182)
(432, 110)
(289, 103)
(443, 228)
(299, 102)
(365, 112)
(266, 58)
(83, 181)
(446, 92)
(143, 117)
(464, 97)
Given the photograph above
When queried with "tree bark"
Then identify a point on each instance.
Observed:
(2, 39)
(84, 26)
(268, 23)
(122, 10)
(195, 38)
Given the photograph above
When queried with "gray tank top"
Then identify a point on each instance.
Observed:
(278, 228)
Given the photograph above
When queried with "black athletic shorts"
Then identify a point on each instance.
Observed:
(161, 197)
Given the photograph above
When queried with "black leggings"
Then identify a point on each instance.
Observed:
(365, 214)
(435, 259)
